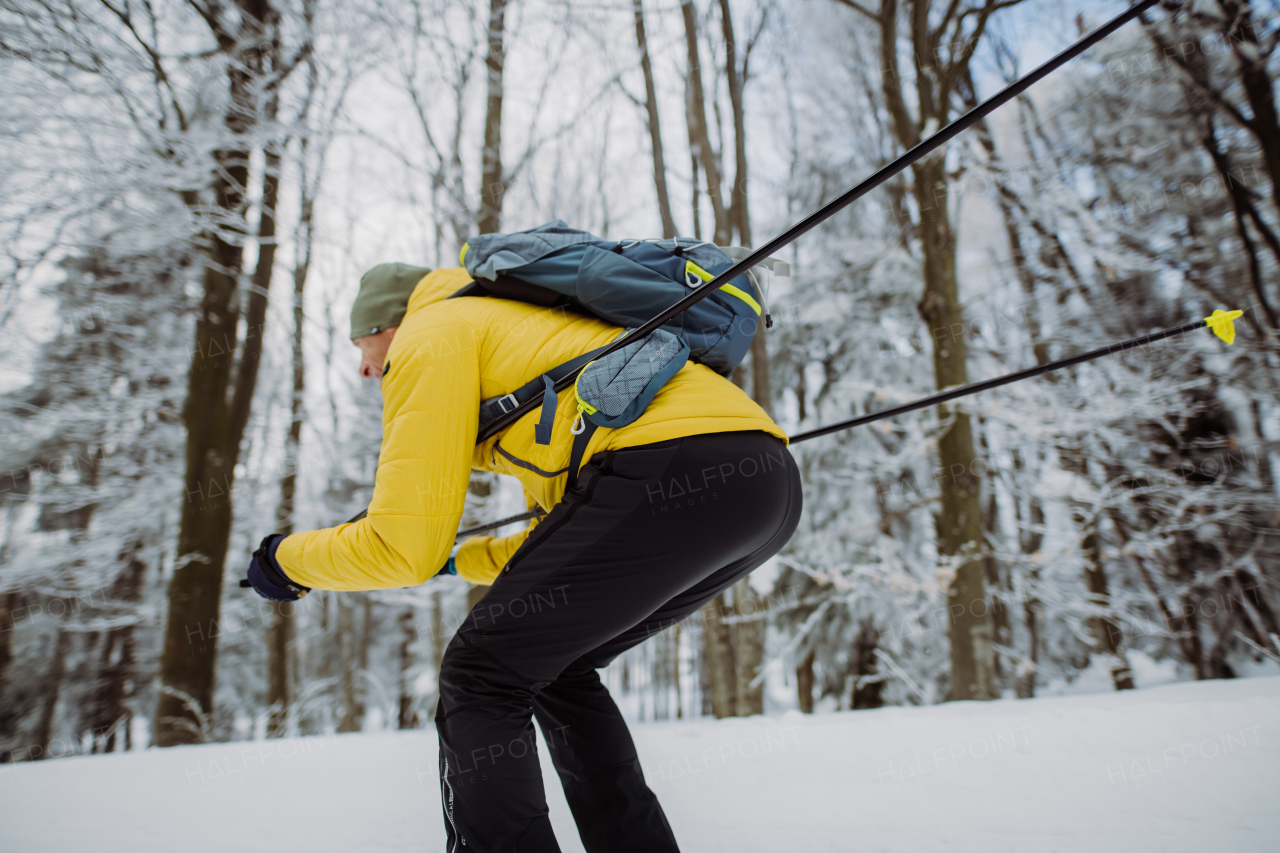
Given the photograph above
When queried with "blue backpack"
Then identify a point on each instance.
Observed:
(627, 283)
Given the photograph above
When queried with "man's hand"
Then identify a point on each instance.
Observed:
(267, 578)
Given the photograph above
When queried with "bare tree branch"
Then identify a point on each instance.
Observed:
(860, 8)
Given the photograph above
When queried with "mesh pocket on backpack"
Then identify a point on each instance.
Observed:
(613, 391)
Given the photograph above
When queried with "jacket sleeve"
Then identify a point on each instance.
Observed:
(481, 558)
(431, 397)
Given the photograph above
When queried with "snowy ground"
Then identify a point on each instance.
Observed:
(1183, 767)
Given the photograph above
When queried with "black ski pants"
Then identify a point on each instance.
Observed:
(646, 537)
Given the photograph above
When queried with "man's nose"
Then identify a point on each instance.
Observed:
(368, 371)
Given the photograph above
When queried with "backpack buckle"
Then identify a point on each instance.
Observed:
(504, 400)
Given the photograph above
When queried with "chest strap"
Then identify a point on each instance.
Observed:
(496, 407)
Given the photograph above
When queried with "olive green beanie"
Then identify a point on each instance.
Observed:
(383, 297)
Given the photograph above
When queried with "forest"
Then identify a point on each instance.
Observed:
(190, 191)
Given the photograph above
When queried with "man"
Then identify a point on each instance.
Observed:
(666, 513)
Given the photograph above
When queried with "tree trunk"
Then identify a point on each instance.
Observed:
(694, 199)
(366, 641)
(1252, 591)
(717, 656)
(1105, 631)
(492, 185)
(1107, 635)
(941, 58)
(994, 574)
(50, 693)
(190, 644)
(1192, 645)
(9, 602)
(322, 660)
(480, 485)
(733, 652)
(281, 658)
(699, 134)
(738, 212)
(280, 666)
(1188, 554)
(1243, 596)
(1217, 663)
(348, 664)
(655, 128)
(110, 717)
(437, 631)
(868, 686)
(959, 522)
(407, 717)
(1183, 633)
(1030, 540)
(218, 402)
(761, 387)
(1025, 685)
(804, 684)
(676, 670)
(658, 675)
(748, 648)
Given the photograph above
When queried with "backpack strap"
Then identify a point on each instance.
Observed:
(510, 287)
(496, 407)
(580, 442)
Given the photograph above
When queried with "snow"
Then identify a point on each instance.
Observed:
(1180, 767)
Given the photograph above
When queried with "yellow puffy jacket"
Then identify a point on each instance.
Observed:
(446, 357)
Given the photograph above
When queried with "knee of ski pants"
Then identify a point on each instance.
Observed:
(471, 677)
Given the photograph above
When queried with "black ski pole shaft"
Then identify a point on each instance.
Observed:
(470, 531)
(976, 387)
(924, 148)
(945, 396)
(511, 519)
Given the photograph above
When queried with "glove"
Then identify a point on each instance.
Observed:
(267, 578)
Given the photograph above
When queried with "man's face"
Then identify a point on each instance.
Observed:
(373, 352)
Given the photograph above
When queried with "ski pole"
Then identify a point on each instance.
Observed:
(1220, 322)
(923, 149)
(511, 519)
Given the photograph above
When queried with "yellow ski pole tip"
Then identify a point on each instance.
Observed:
(1220, 322)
